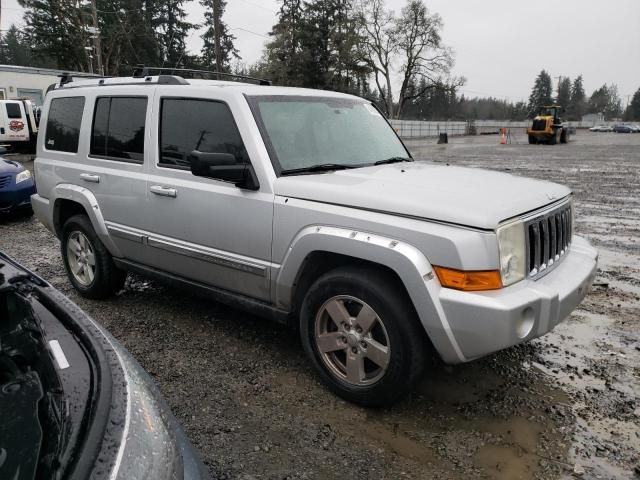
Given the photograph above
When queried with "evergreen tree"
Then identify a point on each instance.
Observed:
(228, 51)
(283, 55)
(606, 100)
(56, 29)
(541, 94)
(632, 112)
(563, 97)
(578, 104)
(15, 51)
(171, 30)
(316, 44)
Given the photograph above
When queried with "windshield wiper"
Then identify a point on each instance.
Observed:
(387, 161)
(322, 167)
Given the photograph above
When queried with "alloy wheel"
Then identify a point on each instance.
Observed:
(352, 340)
(81, 258)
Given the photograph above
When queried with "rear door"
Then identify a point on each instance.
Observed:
(117, 160)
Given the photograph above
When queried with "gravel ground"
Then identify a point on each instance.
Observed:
(563, 406)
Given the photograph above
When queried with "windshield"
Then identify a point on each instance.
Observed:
(301, 132)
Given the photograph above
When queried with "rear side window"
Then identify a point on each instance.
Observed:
(63, 124)
(13, 110)
(118, 128)
(203, 125)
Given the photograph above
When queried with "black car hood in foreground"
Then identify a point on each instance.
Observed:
(74, 404)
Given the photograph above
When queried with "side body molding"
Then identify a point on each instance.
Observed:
(405, 260)
(83, 196)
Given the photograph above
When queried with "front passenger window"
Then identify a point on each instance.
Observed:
(193, 124)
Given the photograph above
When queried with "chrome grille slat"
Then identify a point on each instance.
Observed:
(548, 239)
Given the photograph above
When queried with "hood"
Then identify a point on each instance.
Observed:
(464, 196)
(9, 166)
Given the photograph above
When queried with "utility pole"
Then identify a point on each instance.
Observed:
(216, 29)
(96, 37)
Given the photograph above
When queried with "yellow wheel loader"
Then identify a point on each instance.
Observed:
(547, 127)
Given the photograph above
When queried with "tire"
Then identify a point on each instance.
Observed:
(553, 139)
(532, 140)
(80, 248)
(374, 366)
(563, 136)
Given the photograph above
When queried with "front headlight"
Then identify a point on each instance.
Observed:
(511, 243)
(22, 176)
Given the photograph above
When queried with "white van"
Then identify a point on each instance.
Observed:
(18, 124)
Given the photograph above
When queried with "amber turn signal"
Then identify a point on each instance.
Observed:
(469, 281)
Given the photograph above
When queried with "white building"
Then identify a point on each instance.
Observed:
(593, 118)
(21, 82)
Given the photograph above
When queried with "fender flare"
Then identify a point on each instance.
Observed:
(409, 263)
(86, 198)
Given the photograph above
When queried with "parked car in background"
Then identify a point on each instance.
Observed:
(601, 128)
(635, 128)
(623, 128)
(305, 206)
(74, 404)
(16, 187)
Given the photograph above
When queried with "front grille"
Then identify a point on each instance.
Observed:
(548, 239)
(539, 125)
(4, 181)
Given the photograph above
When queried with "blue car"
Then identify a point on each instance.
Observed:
(16, 187)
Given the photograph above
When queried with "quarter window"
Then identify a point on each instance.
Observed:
(203, 125)
(13, 110)
(63, 124)
(118, 128)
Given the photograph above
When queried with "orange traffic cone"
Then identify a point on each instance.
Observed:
(503, 136)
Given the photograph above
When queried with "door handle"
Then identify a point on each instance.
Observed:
(163, 191)
(88, 177)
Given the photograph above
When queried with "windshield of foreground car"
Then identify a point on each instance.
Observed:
(302, 132)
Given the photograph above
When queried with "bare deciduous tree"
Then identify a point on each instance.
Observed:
(412, 39)
(380, 45)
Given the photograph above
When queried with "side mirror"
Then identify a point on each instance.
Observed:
(223, 166)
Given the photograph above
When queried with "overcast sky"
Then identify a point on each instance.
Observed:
(500, 45)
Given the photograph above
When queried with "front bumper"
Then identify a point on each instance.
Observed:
(17, 197)
(480, 323)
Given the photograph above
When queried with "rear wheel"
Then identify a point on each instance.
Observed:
(89, 265)
(362, 336)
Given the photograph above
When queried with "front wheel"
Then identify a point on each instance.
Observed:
(532, 140)
(88, 263)
(362, 336)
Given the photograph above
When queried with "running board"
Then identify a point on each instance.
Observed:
(235, 300)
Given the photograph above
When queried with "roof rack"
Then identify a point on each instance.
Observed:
(144, 71)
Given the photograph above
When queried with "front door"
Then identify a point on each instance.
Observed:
(203, 229)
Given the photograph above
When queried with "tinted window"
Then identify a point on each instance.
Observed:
(63, 124)
(13, 110)
(187, 125)
(118, 127)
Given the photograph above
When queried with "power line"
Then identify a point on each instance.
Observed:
(250, 31)
(259, 6)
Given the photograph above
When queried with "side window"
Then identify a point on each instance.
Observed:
(63, 124)
(118, 128)
(203, 125)
(13, 110)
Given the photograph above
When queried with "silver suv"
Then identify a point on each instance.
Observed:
(304, 206)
